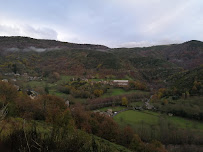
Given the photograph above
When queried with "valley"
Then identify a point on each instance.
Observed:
(121, 99)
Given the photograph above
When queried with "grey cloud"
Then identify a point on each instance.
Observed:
(110, 22)
(43, 33)
(9, 30)
(147, 43)
(27, 30)
(40, 49)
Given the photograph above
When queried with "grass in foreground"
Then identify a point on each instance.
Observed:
(12, 124)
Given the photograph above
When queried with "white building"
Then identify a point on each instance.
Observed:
(120, 82)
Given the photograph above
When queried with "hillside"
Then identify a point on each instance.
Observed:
(186, 80)
(26, 43)
(62, 95)
(187, 55)
(41, 57)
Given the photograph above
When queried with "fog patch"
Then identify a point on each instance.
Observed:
(13, 49)
(32, 48)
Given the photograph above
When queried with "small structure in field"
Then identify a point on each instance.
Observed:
(14, 80)
(17, 75)
(67, 103)
(4, 80)
(170, 114)
(120, 83)
(110, 112)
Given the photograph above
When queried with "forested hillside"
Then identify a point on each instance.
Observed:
(59, 96)
(44, 56)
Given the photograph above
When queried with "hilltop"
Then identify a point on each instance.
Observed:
(145, 64)
(27, 42)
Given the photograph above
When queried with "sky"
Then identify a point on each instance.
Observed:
(114, 23)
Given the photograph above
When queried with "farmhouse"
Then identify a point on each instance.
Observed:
(120, 83)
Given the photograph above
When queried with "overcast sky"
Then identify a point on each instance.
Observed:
(115, 23)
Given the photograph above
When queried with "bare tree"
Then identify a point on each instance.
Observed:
(3, 113)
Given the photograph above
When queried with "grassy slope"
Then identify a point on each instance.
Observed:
(134, 118)
(45, 128)
(119, 91)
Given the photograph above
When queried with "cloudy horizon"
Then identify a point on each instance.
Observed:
(114, 23)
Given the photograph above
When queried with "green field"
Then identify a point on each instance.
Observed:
(44, 82)
(34, 84)
(59, 94)
(137, 104)
(120, 91)
(64, 79)
(135, 118)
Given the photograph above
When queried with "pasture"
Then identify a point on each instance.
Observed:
(119, 91)
(136, 118)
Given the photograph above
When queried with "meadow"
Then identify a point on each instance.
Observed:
(119, 91)
(135, 118)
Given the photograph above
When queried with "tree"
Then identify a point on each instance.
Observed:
(3, 112)
(165, 102)
(187, 94)
(56, 76)
(52, 106)
(136, 144)
(46, 89)
(98, 92)
(8, 93)
(126, 136)
(14, 68)
(124, 101)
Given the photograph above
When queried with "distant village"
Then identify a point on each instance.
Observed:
(33, 94)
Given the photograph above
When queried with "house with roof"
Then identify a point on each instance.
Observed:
(120, 83)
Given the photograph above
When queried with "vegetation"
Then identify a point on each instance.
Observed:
(63, 125)
(114, 109)
(55, 97)
(152, 125)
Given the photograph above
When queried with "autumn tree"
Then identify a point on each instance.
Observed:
(8, 93)
(124, 101)
(52, 106)
(126, 136)
(98, 92)
(56, 76)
